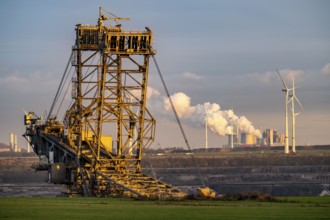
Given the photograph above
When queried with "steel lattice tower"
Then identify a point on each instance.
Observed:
(109, 120)
(98, 148)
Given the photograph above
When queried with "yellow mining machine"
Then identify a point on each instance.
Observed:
(97, 149)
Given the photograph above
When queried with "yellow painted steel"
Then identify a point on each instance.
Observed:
(117, 101)
(107, 143)
(108, 126)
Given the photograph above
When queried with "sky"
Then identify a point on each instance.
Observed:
(224, 53)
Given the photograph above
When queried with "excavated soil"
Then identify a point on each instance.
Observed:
(18, 178)
(226, 171)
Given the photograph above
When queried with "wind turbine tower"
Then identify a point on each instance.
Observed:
(286, 90)
(232, 133)
(293, 98)
(206, 137)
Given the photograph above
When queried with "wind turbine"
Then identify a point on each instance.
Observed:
(206, 138)
(232, 133)
(286, 90)
(293, 98)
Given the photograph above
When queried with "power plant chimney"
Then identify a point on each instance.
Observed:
(15, 144)
(11, 141)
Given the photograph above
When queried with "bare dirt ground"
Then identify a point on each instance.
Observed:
(32, 190)
(19, 179)
(227, 171)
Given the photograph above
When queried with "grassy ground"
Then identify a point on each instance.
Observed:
(95, 208)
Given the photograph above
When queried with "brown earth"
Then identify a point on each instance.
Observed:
(18, 178)
(226, 171)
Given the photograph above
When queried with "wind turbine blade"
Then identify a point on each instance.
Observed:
(281, 79)
(299, 103)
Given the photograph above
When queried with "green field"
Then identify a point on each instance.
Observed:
(96, 208)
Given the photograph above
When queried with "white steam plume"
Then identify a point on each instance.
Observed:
(219, 121)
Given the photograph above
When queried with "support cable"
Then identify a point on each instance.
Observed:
(59, 88)
(66, 91)
(177, 118)
(66, 78)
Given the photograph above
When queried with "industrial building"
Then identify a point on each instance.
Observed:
(13, 145)
(270, 137)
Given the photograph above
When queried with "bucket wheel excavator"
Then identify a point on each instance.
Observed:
(97, 149)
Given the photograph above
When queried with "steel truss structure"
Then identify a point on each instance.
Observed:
(98, 148)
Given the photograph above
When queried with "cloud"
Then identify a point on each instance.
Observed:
(35, 77)
(191, 76)
(265, 78)
(325, 71)
(269, 77)
(288, 74)
(28, 83)
(182, 104)
(218, 121)
(151, 92)
(13, 79)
